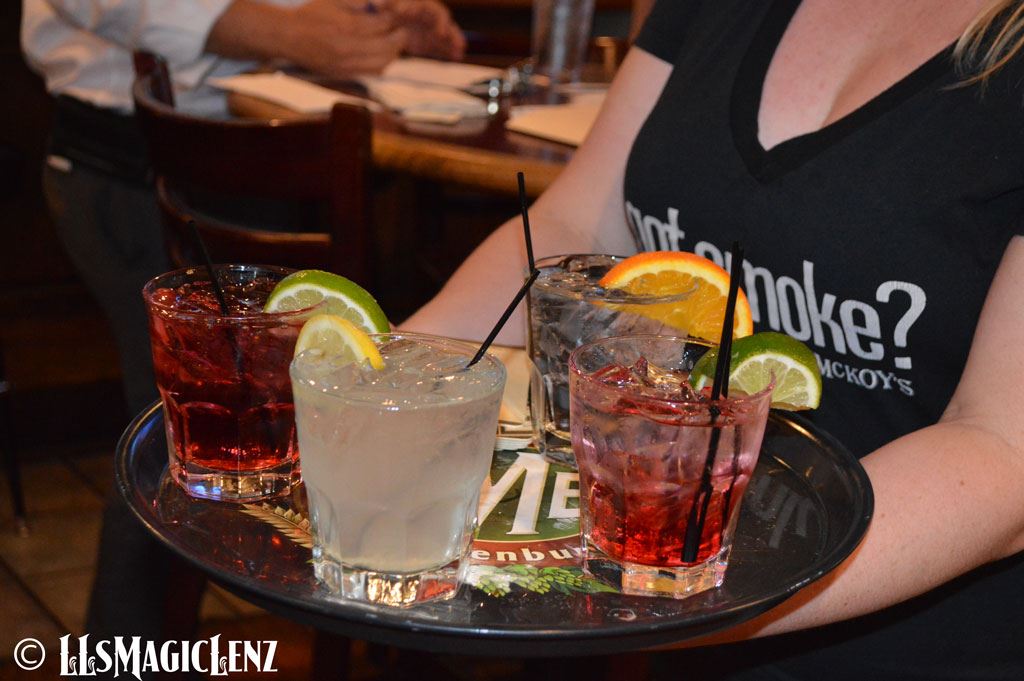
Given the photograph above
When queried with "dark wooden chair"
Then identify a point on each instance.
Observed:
(199, 162)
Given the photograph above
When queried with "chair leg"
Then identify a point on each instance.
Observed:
(11, 464)
(330, 657)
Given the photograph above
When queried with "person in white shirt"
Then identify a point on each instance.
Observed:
(96, 180)
(84, 48)
(98, 185)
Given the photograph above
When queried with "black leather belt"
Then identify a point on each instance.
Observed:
(100, 139)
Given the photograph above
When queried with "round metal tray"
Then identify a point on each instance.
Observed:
(807, 507)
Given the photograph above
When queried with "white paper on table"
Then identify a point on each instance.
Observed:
(290, 92)
(433, 72)
(566, 123)
(417, 100)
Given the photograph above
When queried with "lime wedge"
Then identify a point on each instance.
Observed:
(343, 297)
(755, 359)
(337, 338)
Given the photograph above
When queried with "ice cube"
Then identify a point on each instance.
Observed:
(687, 393)
(615, 375)
(593, 265)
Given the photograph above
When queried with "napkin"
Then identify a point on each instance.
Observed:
(514, 406)
(424, 102)
(515, 431)
(290, 92)
(566, 123)
(445, 73)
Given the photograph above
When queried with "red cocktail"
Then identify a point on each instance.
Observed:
(642, 438)
(224, 381)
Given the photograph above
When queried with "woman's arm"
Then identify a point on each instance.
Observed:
(581, 212)
(948, 498)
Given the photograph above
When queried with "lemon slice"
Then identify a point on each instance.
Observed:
(343, 297)
(755, 359)
(668, 273)
(338, 338)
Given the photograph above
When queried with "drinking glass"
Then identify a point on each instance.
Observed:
(393, 460)
(567, 308)
(223, 379)
(656, 460)
(561, 29)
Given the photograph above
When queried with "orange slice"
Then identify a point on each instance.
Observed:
(666, 273)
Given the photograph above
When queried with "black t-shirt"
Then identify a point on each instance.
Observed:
(875, 241)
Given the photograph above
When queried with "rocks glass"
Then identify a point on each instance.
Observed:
(393, 460)
(224, 381)
(567, 308)
(657, 461)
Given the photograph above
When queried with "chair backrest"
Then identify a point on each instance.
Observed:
(325, 159)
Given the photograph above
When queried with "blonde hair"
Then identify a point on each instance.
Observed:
(990, 41)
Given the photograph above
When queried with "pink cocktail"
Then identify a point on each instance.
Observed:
(642, 440)
(224, 381)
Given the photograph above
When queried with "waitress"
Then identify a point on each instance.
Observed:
(869, 156)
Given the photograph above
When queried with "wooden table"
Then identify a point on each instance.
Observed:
(479, 153)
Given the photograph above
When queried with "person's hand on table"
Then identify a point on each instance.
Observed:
(337, 38)
(340, 39)
(334, 38)
(431, 30)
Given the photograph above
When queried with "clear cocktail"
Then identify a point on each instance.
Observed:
(393, 460)
(642, 440)
(224, 381)
(567, 308)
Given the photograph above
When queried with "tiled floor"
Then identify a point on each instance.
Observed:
(45, 575)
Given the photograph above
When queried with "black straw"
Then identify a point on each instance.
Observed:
(526, 220)
(526, 285)
(504, 318)
(719, 388)
(221, 300)
(205, 254)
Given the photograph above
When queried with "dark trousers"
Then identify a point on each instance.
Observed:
(109, 225)
(110, 229)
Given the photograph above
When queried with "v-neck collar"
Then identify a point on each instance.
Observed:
(748, 87)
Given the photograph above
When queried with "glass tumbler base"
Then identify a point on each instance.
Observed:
(555, 448)
(635, 579)
(382, 588)
(237, 486)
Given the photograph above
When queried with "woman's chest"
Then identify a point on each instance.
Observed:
(833, 58)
